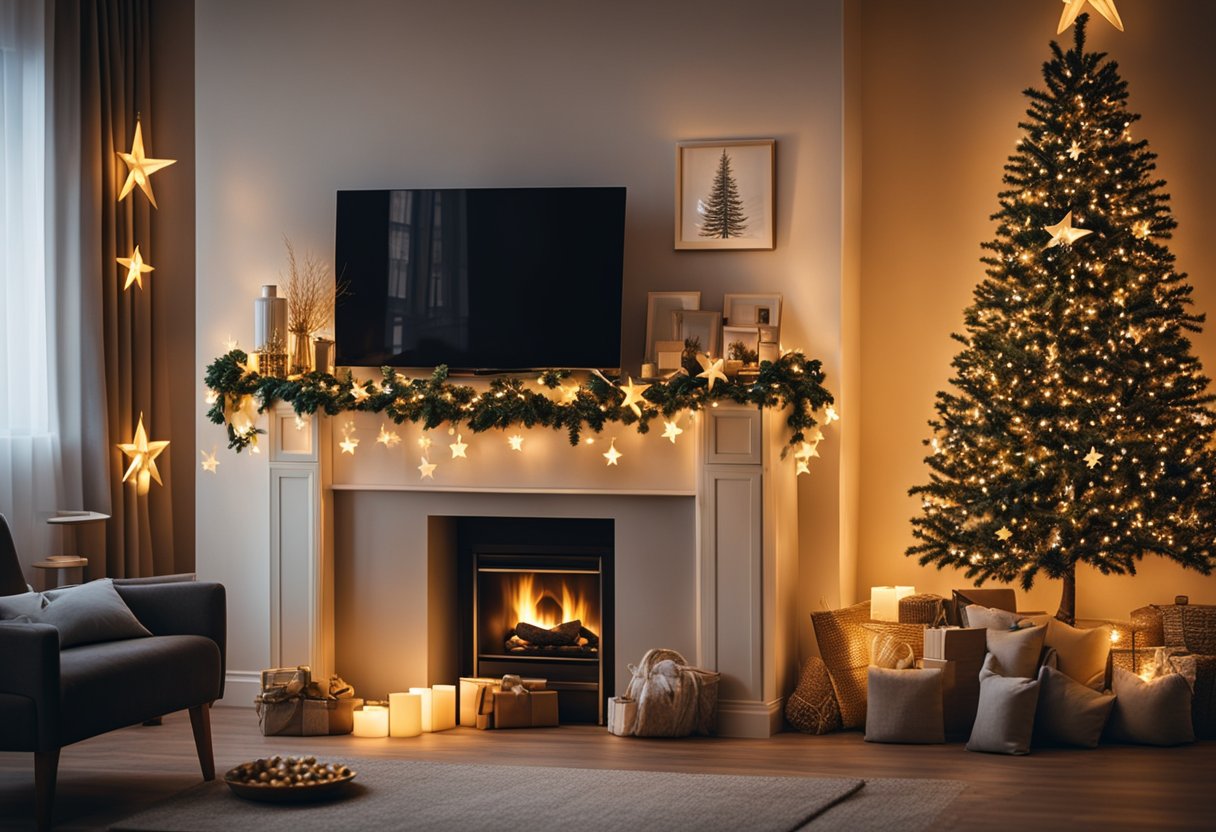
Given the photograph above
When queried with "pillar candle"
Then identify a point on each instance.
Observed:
(443, 707)
(425, 693)
(404, 714)
(371, 721)
(884, 601)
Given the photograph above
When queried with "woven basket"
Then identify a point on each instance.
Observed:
(1192, 626)
(812, 707)
(1147, 629)
(923, 608)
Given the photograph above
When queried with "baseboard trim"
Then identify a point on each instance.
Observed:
(749, 718)
(240, 688)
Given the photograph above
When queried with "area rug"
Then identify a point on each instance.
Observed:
(419, 795)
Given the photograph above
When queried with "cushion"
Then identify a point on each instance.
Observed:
(1157, 712)
(1081, 653)
(1016, 652)
(990, 618)
(1069, 713)
(90, 613)
(904, 706)
(812, 706)
(1004, 720)
(27, 604)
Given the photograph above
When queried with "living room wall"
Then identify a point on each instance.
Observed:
(296, 100)
(941, 99)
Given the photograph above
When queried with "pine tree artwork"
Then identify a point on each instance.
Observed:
(1078, 428)
(723, 215)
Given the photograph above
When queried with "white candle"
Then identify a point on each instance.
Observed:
(443, 707)
(371, 721)
(884, 601)
(425, 693)
(404, 714)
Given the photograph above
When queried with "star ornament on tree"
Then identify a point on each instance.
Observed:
(1063, 233)
(140, 168)
(1093, 457)
(136, 269)
(1072, 8)
(1003, 534)
(143, 456)
(1074, 150)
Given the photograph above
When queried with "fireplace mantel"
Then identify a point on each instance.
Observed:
(727, 460)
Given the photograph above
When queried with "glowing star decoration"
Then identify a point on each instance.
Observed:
(136, 269)
(1074, 150)
(1003, 534)
(1141, 229)
(612, 454)
(802, 467)
(358, 393)
(516, 442)
(143, 459)
(231, 343)
(242, 415)
(301, 422)
(712, 370)
(671, 430)
(458, 448)
(211, 396)
(426, 470)
(1093, 457)
(1072, 8)
(348, 445)
(569, 392)
(210, 463)
(424, 442)
(830, 415)
(388, 438)
(1063, 233)
(807, 451)
(633, 396)
(140, 168)
(816, 436)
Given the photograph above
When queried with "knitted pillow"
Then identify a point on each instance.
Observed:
(812, 707)
(845, 648)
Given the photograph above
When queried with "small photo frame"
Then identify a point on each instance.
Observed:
(752, 310)
(704, 325)
(745, 338)
(769, 334)
(668, 355)
(660, 325)
(725, 195)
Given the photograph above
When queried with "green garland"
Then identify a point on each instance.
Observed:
(792, 382)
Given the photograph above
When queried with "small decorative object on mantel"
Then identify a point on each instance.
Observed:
(310, 304)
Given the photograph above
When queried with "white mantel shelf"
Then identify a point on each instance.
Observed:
(728, 459)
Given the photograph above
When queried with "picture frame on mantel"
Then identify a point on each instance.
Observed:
(725, 194)
(660, 323)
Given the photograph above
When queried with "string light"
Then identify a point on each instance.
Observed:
(671, 430)
(426, 471)
(458, 448)
(516, 442)
(210, 463)
(388, 438)
(612, 454)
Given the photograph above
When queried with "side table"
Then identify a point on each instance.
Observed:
(56, 566)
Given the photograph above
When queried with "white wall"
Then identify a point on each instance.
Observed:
(295, 100)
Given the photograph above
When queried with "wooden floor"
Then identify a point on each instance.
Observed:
(1115, 787)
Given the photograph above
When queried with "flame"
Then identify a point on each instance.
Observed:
(547, 606)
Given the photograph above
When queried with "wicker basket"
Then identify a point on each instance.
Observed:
(1147, 627)
(923, 608)
(812, 707)
(1192, 626)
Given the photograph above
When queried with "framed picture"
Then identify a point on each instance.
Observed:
(705, 326)
(752, 310)
(769, 334)
(741, 339)
(725, 195)
(660, 324)
(668, 355)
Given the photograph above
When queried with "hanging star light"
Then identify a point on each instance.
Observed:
(140, 167)
(802, 468)
(427, 470)
(143, 459)
(1072, 8)
(1063, 233)
(348, 445)
(136, 269)
(301, 422)
(388, 438)
(1003, 534)
(671, 430)
(633, 396)
(830, 415)
(516, 442)
(210, 463)
(211, 397)
(712, 370)
(241, 414)
(424, 442)
(1093, 457)
(458, 448)
(231, 343)
(612, 454)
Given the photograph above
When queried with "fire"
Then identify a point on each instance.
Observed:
(552, 602)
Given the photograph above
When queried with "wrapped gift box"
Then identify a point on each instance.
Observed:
(475, 698)
(301, 717)
(525, 709)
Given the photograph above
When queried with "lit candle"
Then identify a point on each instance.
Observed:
(404, 714)
(884, 601)
(443, 707)
(371, 721)
(425, 693)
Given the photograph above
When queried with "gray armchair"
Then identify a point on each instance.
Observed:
(52, 697)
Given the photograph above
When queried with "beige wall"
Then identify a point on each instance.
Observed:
(941, 98)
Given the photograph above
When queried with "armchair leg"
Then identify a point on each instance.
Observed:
(200, 721)
(46, 769)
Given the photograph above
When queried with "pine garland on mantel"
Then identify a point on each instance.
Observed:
(793, 382)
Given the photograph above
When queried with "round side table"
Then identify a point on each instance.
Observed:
(56, 565)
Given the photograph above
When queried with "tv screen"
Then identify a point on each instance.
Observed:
(480, 279)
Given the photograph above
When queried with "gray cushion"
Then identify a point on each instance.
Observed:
(990, 618)
(1069, 713)
(89, 613)
(1157, 712)
(1004, 720)
(1017, 651)
(904, 706)
(27, 604)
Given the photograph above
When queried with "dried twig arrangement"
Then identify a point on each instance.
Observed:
(311, 292)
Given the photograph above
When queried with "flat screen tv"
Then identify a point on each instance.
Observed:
(480, 279)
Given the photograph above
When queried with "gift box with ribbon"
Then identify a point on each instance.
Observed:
(293, 704)
(477, 701)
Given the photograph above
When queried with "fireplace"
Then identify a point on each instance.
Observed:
(537, 594)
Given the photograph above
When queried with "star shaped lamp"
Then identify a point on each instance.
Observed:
(140, 168)
(143, 456)
(1072, 8)
(1063, 233)
(136, 269)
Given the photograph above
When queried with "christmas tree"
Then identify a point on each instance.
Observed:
(724, 217)
(1078, 429)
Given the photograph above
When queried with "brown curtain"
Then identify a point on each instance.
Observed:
(115, 90)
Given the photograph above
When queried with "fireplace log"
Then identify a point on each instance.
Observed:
(565, 633)
(592, 638)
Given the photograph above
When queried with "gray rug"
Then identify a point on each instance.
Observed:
(404, 794)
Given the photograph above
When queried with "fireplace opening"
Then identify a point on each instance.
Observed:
(538, 595)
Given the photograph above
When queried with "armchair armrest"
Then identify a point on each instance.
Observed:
(29, 654)
(184, 608)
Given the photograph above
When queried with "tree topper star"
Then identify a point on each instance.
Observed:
(712, 370)
(140, 167)
(143, 459)
(1072, 8)
(1063, 233)
(633, 396)
(136, 269)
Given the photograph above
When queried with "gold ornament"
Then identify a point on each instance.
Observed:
(140, 167)
(1063, 233)
(242, 414)
(633, 396)
(1003, 534)
(612, 454)
(1072, 8)
(143, 459)
(1093, 457)
(136, 269)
